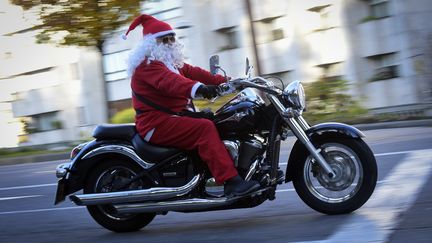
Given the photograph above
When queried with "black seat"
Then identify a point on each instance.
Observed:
(151, 153)
(112, 131)
(128, 132)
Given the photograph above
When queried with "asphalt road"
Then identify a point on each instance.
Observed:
(400, 209)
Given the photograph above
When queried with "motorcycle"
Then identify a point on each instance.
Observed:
(127, 181)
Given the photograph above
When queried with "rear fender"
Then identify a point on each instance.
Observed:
(94, 153)
(323, 130)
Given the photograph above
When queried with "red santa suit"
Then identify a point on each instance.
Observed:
(173, 88)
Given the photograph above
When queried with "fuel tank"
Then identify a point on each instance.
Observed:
(241, 113)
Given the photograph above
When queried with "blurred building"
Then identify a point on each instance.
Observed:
(382, 47)
(54, 93)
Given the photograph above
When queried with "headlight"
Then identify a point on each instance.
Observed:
(295, 95)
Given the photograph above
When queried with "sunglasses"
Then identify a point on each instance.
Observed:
(167, 39)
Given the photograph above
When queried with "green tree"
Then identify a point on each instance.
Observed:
(83, 22)
(327, 100)
(124, 116)
(87, 23)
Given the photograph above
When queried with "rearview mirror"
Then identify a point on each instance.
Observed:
(214, 64)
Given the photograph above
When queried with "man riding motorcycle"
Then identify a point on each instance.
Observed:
(163, 86)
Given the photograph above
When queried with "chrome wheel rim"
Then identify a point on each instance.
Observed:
(348, 174)
(105, 183)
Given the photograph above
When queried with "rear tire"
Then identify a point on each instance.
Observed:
(356, 176)
(100, 180)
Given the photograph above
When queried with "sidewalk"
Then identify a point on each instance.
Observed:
(363, 127)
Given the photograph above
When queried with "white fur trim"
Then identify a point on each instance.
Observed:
(148, 48)
(162, 33)
(123, 36)
(194, 89)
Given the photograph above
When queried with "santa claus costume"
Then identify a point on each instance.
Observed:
(160, 75)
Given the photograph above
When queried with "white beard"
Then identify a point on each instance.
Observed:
(171, 55)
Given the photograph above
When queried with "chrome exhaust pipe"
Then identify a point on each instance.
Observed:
(178, 205)
(193, 204)
(151, 194)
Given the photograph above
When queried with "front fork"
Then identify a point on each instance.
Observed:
(298, 125)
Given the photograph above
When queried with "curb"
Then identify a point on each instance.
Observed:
(394, 124)
(362, 127)
(34, 158)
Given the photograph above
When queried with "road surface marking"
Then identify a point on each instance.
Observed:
(40, 210)
(18, 197)
(44, 171)
(25, 187)
(376, 220)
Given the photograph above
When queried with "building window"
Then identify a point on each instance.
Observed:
(379, 8)
(326, 17)
(384, 66)
(115, 65)
(229, 38)
(332, 71)
(270, 29)
(42, 122)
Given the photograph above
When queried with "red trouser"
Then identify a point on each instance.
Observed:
(191, 133)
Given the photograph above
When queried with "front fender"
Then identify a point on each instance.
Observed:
(323, 130)
(333, 129)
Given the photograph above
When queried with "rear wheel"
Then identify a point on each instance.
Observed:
(104, 179)
(356, 175)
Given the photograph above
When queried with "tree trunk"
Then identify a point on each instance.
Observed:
(254, 44)
(104, 85)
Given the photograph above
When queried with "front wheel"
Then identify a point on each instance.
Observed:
(356, 174)
(103, 179)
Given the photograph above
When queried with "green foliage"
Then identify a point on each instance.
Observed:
(87, 23)
(327, 101)
(124, 116)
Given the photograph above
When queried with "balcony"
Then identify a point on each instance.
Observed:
(377, 37)
(390, 92)
(329, 46)
(276, 56)
(37, 101)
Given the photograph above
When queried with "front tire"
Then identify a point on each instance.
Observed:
(102, 179)
(355, 180)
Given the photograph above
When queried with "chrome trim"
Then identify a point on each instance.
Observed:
(236, 117)
(348, 180)
(187, 204)
(118, 149)
(303, 123)
(295, 94)
(62, 170)
(233, 150)
(251, 171)
(284, 112)
(156, 193)
(180, 205)
(301, 135)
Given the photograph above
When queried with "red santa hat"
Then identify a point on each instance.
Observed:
(151, 26)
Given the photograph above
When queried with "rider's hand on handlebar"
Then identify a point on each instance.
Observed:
(208, 91)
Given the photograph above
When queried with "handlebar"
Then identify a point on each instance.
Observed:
(257, 82)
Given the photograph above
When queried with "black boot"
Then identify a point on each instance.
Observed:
(236, 186)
